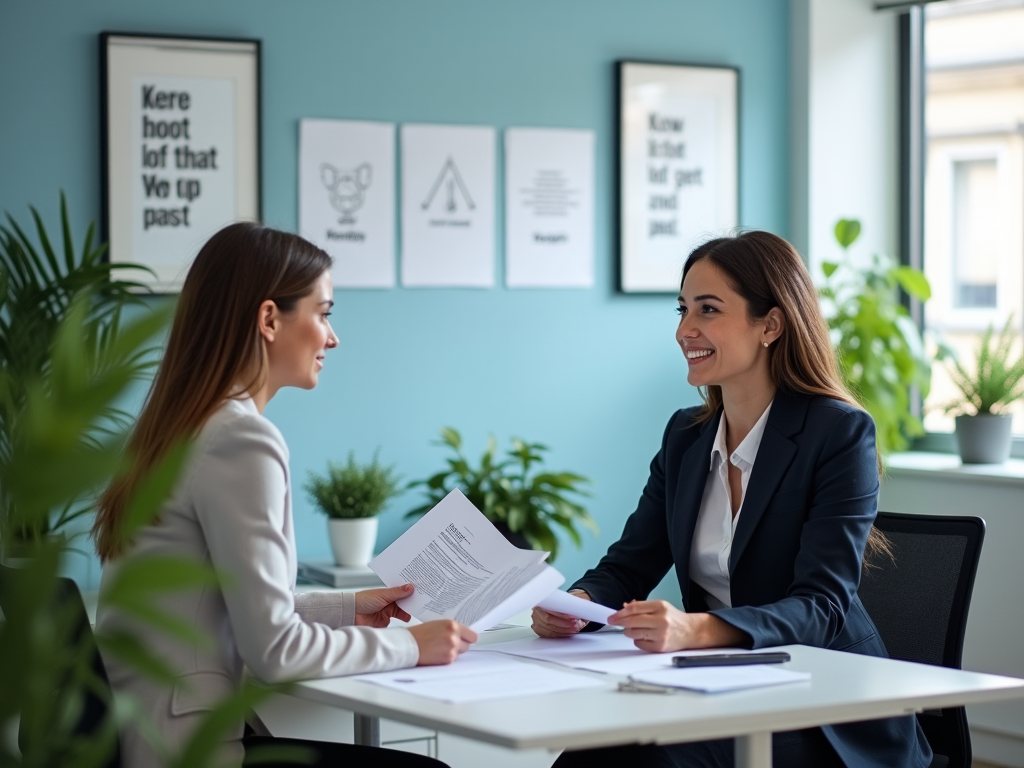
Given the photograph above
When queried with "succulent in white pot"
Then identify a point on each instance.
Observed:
(351, 495)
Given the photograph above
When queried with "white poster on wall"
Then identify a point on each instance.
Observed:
(678, 167)
(347, 198)
(184, 156)
(549, 204)
(448, 206)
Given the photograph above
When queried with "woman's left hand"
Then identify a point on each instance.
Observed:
(659, 627)
(376, 607)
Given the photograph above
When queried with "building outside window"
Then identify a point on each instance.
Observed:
(974, 182)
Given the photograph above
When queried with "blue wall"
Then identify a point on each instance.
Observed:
(593, 374)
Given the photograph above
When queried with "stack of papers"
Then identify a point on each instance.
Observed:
(719, 679)
(464, 569)
(479, 677)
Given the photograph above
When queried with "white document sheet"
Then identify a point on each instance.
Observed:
(448, 204)
(549, 204)
(347, 198)
(463, 568)
(467, 665)
(563, 602)
(719, 679)
(609, 652)
(525, 680)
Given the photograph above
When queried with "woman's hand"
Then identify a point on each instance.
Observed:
(659, 627)
(441, 641)
(376, 607)
(550, 624)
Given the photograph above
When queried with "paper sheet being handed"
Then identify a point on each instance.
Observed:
(464, 569)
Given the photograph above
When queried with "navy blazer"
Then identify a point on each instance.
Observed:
(797, 554)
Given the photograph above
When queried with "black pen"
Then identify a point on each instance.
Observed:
(730, 659)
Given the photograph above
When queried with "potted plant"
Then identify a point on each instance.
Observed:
(352, 495)
(527, 508)
(881, 352)
(983, 434)
(39, 284)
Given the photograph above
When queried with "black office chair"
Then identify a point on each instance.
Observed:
(919, 602)
(68, 601)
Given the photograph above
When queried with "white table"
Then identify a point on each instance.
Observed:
(843, 688)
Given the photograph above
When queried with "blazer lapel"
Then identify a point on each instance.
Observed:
(774, 456)
(693, 477)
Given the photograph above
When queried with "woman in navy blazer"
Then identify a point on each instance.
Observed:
(757, 345)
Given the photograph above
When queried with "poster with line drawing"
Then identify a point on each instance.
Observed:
(549, 204)
(347, 198)
(448, 206)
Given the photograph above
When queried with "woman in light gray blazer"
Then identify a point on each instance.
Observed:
(252, 318)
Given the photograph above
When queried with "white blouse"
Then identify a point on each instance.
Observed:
(716, 525)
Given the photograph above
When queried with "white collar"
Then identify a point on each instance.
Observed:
(746, 451)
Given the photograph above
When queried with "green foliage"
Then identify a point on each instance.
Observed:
(62, 447)
(38, 288)
(353, 490)
(506, 493)
(880, 349)
(996, 381)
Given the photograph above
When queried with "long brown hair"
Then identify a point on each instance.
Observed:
(214, 350)
(768, 272)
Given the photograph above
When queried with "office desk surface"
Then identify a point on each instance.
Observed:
(843, 687)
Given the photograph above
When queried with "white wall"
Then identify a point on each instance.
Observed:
(844, 107)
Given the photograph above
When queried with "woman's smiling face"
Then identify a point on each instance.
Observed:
(721, 343)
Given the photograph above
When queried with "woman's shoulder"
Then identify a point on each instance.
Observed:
(237, 423)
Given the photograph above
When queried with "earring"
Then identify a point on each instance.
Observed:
(765, 344)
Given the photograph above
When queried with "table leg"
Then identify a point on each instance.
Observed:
(754, 751)
(367, 730)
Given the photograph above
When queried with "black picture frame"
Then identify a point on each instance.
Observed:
(181, 146)
(677, 167)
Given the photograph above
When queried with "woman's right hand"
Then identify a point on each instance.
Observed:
(550, 624)
(441, 641)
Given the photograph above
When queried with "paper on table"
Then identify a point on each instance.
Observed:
(562, 602)
(467, 665)
(719, 679)
(463, 568)
(525, 680)
(610, 653)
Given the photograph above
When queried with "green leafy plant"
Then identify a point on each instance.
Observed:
(531, 505)
(997, 380)
(38, 287)
(353, 490)
(63, 448)
(880, 349)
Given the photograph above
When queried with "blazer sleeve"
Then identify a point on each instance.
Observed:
(240, 493)
(826, 574)
(637, 562)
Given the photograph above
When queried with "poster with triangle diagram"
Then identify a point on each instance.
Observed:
(448, 206)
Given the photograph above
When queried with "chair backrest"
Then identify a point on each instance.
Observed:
(919, 602)
(67, 597)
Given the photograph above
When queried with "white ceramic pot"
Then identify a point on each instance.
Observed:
(353, 540)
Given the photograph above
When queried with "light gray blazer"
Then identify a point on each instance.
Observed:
(232, 509)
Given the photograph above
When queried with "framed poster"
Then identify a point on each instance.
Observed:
(181, 146)
(347, 198)
(678, 167)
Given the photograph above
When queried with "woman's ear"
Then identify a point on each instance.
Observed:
(268, 320)
(774, 325)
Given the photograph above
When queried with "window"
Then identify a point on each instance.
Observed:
(973, 197)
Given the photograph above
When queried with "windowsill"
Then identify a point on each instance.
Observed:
(947, 465)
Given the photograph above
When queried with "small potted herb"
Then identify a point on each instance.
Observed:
(983, 433)
(526, 505)
(352, 495)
